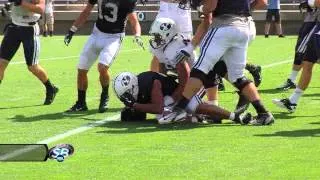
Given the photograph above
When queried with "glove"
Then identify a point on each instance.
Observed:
(138, 40)
(127, 99)
(304, 5)
(68, 37)
(16, 2)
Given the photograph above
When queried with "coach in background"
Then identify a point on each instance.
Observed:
(48, 19)
(24, 29)
(273, 12)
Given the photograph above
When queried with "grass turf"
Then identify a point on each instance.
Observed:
(289, 149)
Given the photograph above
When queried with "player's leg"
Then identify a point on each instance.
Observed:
(311, 56)
(87, 58)
(50, 20)
(235, 59)
(9, 46)
(268, 23)
(107, 56)
(31, 47)
(278, 23)
(305, 34)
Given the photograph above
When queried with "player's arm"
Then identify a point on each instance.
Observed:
(79, 21)
(201, 30)
(314, 3)
(156, 105)
(183, 70)
(36, 8)
(259, 4)
(136, 28)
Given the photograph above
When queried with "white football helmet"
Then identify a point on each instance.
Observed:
(162, 31)
(126, 82)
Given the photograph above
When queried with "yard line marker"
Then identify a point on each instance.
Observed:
(276, 64)
(78, 130)
(68, 57)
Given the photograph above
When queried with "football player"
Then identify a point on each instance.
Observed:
(147, 92)
(25, 29)
(104, 42)
(312, 54)
(227, 37)
(302, 41)
(48, 19)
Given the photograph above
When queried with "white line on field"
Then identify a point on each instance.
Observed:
(276, 64)
(69, 57)
(78, 130)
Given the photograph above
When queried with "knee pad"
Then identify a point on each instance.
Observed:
(129, 115)
(241, 83)
(193, 104)
(195, 73)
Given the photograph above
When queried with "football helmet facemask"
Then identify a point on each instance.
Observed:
(162, 31)
(126, 82)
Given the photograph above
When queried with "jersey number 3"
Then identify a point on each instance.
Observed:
(108, 11)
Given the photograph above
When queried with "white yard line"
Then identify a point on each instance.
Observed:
(276, 64)
(69, 57)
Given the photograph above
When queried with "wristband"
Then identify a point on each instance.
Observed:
(73, 28)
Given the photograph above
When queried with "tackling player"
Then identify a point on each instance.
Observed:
(25, 29)
(147, 92)
(312, 54)
(104, 42)
(227, 37)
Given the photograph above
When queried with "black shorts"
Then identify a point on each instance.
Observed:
(219, 70)
(312, 53)
(14, 35)
(302, 42)
(273, 13)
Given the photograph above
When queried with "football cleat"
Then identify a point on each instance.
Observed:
(243, 119)
(262, 119)
(60, 152)
(287, 85)
(78, 107)
(285, 104)
(103, 106)
(50, 95)
(176, 115)
(256, 74)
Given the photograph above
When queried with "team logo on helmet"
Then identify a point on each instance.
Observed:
(125, 80)
(165, 27)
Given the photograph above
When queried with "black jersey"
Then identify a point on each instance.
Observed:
(236, 7)
(145, 83)
(112, 14)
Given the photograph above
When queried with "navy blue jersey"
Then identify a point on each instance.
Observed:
(112, 14)
(236, 7)
(145, 83)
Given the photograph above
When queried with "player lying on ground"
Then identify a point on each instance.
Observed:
(227, 37)
(312, 54)
(25, 29)
(148, 91)
(301, 44)
(104, 42)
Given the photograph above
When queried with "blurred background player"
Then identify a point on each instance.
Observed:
(25, 29)
(273, 14)
(312, 54)
(104, 41)
(48, 19)
(301, 44)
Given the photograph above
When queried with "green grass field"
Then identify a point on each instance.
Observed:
(289, 149)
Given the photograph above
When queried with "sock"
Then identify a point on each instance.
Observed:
(48, 85)
(232, 116)
(259, 107)
(183, 103)
(104, 92)
(81, 96)
(213, 102)
(294, 98)
(293, 75)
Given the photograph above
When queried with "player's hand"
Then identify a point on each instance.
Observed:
(138, 40)
(68, 37)
(127, 99)
(16, 2)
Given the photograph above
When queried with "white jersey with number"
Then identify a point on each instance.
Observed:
(21, 16)
(167, 54)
